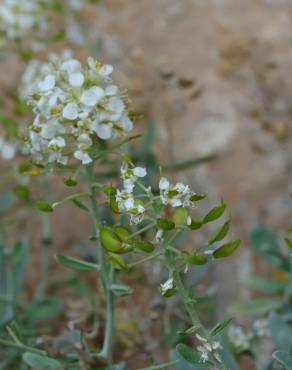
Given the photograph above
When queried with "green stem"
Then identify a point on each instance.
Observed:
(187, 300)
(148, 258)
(106, 272)
(45, 254)
(22, 347)
(140, 231)
(161, 366)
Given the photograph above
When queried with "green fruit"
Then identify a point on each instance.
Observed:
(109, 240)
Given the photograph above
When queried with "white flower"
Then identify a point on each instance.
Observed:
(57, 93)
(163, 184)
(47, 83)
(70, 111)
(76, 79)
(139, 171)
(204, 353)
(261, 328)
(128, 185)
(106, 70)
(178, 195)
(82, 156)
(104, 131)
(21, 19)
(208, 347)
(159, 236)
(132, 173)
(167, 285)
(238, 337)
(91, 96)
(57, 142)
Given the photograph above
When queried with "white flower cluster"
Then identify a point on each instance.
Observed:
(73, 106)
(261, 328)
(239, 338)
(7, 149)
(125, 198)
(178, 195)
(206, 348)
(21, 18)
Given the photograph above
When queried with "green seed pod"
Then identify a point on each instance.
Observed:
(117, 261)
(180, 216)
(144, 246)
(110, 241)
(122, 233)
(196, 259)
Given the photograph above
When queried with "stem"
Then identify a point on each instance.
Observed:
(106, 272)
(140, 231)
(22, 347)
(161, 366)
(46, 242)
(148, 258)
(187, 300)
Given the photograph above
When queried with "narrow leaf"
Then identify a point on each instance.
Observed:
(75, 263)
(40, 362)
(220, 233)
(43, 206)
(226, 249)
(215, 213)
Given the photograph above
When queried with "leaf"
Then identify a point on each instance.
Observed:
(219, 327)
(14, 332)
(120, 290)
(197, 197)
(280, 331)
(189, 355)
(43, 310)
(284, 358)
(80, 205)
(75, 263)
(43, 206)
(196, 259)
(255, 306)
(220, 233)
(226, 249)
(266, 246)
(264, 285)
(41, 362)
(117, 261)
(195, 224)
(165, 224)
(22, 192)
(70, 181)
(215, 213)
(144, 246)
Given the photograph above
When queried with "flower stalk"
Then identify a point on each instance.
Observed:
(106, 271)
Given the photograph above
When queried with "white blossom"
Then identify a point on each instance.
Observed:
(178, 195)
(239, 338)
(167, 285)
(125, 198)
(206, 348)
(261, 328)
(20, 19)
(75, 102)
